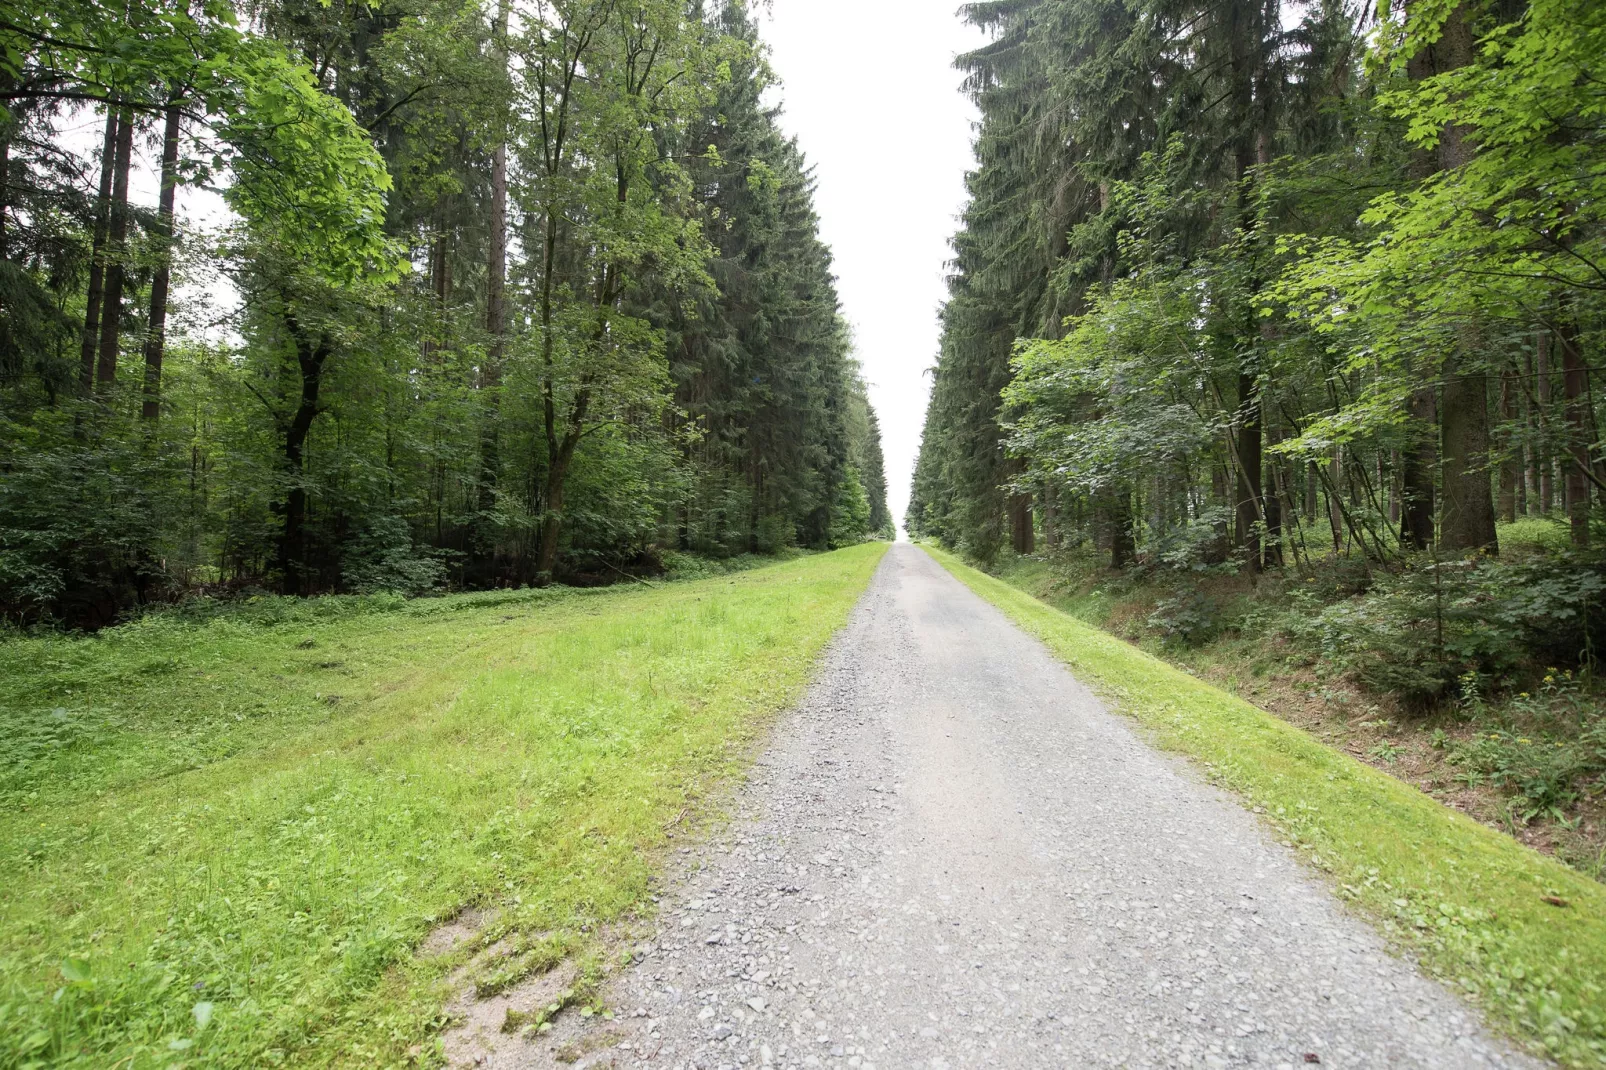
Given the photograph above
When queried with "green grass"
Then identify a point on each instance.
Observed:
(1470, 902)
(223, 839)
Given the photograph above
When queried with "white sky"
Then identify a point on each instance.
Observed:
(870, 90)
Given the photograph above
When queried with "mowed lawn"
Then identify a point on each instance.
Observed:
(222, 841)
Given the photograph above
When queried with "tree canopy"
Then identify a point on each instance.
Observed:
(504, 294)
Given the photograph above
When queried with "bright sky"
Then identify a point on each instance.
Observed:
(870, 90)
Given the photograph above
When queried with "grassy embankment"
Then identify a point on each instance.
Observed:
(223, 840)
(1520, 933)
(1524, 751)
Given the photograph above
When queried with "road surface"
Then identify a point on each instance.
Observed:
(952, 855)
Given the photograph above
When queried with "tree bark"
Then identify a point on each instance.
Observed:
(495, 316)
(1467, 522)
(1123, 541)
(1511, 458)
(156, 338)
(97, 255)
(1542, 388)
(1418, 460)
(111, 313)
(1273, 504)
(1575, 399)
(1247, 505)
(1051, 534)
(1022, 537)
(311, 357)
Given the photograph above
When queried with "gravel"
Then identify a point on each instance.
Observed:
(951, 855)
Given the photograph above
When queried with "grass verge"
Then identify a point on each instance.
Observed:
(1521, 934)
(224, 839)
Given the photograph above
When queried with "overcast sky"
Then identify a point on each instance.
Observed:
(869, 88)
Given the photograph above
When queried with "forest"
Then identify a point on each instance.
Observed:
(489, 297)
(1277, 329)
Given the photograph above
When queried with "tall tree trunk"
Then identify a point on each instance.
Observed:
(156, 339)
(1511, 458)
(1468, 514)
(1247, 506)
(97, 255)
(495, 315)
(1575, 399)
(560, 454)
(6, 129)
(311, 358)
(1123, 540)
(1467, 522)
(1542, 388)
(1418, 460)
(1335, 510)
(1022, 537)
(111, 313)
(1273, 504)
(1051, 533)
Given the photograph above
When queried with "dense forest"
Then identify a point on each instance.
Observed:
(1258, 287)
(498, 296)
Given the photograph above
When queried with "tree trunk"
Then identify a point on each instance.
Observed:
(1123, 542)
(1023, 538)
(310, 360)
(1542, 387)
(1511, 459)
(97, 255)
(1247, 506)
(1467, 522)
(111, 313)
(495, 317)
(1575, 399)
(559, 458)
(1335, 511)
(156, 339)
(1273, 504)
(1418, 460)
(1051, 533)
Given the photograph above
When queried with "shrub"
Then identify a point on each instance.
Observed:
(384, 558)
(1190, 617)
(1420, 630)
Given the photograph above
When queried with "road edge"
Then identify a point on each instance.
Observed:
(1475, 908)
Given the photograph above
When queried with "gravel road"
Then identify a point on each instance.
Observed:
(951, 855)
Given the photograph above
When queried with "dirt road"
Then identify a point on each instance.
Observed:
(953, 856)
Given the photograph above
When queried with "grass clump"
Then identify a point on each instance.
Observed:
(1522, 934)
(225, 835)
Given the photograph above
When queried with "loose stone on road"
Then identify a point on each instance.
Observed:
(951, 855)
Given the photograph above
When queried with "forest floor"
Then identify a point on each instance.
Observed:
(1426, 748)
(227, 834)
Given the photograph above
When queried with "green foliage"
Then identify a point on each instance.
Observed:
(669, 369)
(1189, 617)
(1420, 631)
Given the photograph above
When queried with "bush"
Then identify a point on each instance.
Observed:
(1190, 618)
(384, 558)
(1419, 631)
